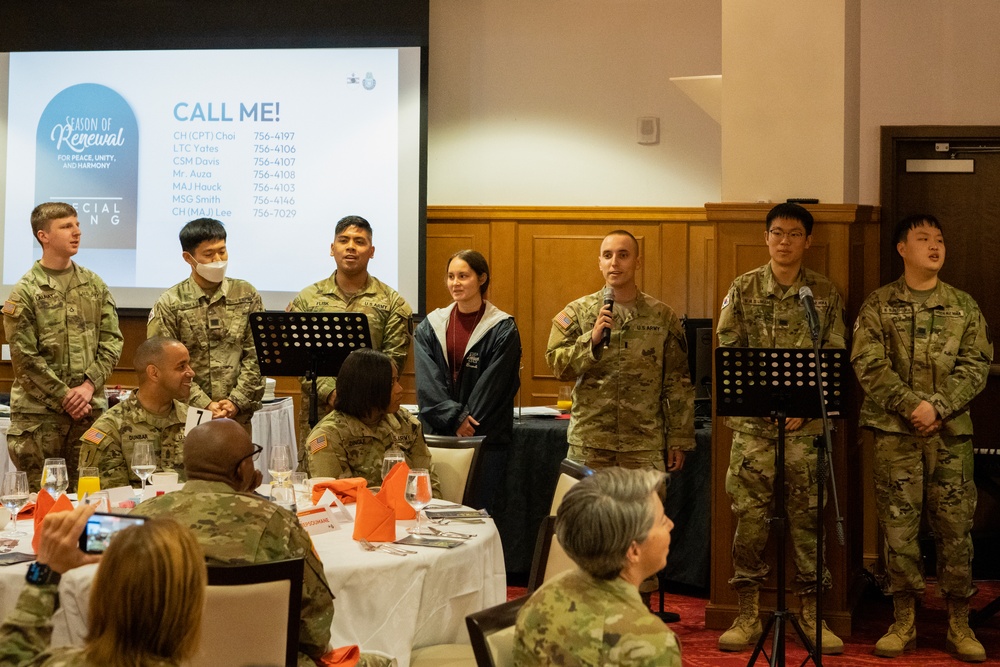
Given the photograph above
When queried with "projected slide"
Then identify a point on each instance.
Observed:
(277, 144)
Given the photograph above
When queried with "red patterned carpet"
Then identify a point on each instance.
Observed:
(874, 617)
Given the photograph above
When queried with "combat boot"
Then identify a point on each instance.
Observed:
(902, 635)
(746, 629)
(832, 644)
(961, 641)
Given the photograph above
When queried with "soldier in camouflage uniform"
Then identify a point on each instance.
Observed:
(922, 352)
(352, 290)
(62, 326)
(156, 412)
(762, 310)
(352, 440)
(235, 527)
(632, 403)
(613, 527)
(209, 313)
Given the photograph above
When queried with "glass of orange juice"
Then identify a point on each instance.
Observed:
(89, 482)
(565, 399)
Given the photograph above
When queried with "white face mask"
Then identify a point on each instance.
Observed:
(213, 272)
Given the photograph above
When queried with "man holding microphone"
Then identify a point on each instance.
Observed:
(633, 403)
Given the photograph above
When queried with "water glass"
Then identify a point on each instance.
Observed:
(99, 498)
(303, 492)
(283, 495)
(143, 462)
(418, 494)
(279, 464)
(14, 496)
(393, 455)
(55, 478)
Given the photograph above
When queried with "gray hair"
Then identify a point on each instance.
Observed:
(602, 515)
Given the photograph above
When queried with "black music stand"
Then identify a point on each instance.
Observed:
(309, 344)
(776, 383)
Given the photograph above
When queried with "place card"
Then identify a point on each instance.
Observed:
(318, 520)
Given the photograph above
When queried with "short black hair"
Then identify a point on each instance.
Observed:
(792, 212)
(903, 227)
(625, 232)
(352, 221)
(364, 384)
(196, 232)
(477, 263)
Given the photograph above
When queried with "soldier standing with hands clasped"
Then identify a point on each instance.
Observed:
(62, 326)
(922, 352)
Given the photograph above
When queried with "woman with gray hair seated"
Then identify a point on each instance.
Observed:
(613, 527)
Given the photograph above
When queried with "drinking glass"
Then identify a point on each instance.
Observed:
(89, 482)
(143, 462)
(418, 495)
(14, 496)
(55, 478)
(279, 464)
(99, 498)
(393, 455)
(565, 399)
(284, 496)
(303, 492)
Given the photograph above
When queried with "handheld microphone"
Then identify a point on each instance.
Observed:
(609, 300)
(812, 317)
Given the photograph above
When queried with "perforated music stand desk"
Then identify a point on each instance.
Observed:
(307, 344)
(758, 382)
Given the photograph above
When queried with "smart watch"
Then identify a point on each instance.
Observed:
(41, 575)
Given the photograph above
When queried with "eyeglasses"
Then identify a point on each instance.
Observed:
(779, 234)
(255, 454)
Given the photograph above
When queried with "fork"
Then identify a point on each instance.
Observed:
(368, 546)
(446, 533)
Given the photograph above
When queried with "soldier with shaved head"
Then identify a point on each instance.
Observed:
(155, 412)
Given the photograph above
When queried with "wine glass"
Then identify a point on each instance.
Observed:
(14, 496)
(143, 462)
(279, 464)
(418, 495)
(55, 478)
(393, 455)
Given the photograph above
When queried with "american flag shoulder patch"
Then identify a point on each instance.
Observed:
(563, 320)
(9, 307)
(317, 443)
(95, 436)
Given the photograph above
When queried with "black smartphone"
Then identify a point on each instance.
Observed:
(101, 528)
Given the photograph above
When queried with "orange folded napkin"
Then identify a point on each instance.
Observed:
(43, 505)
(393, 492)
(345, 656)
(26, 511)
(346, 489)
(374, 520)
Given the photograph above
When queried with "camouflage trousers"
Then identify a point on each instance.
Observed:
(32, 438)
(750, 485)
(607, 458)
(909, 468)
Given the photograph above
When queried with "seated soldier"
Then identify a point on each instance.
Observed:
(235, 527)
(154, 413)
(366, 421)
(613, 527)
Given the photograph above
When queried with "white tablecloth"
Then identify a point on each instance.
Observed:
(383, 602)
(274, 424)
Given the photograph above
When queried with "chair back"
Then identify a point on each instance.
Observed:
(456, 462)
(570, 472)
(491, 632)
(550, 559)
(266, 598)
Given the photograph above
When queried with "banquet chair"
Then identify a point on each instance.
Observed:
(549, 559)
(456, 461)
(492, 633)
(570, 472)
(267, 636)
